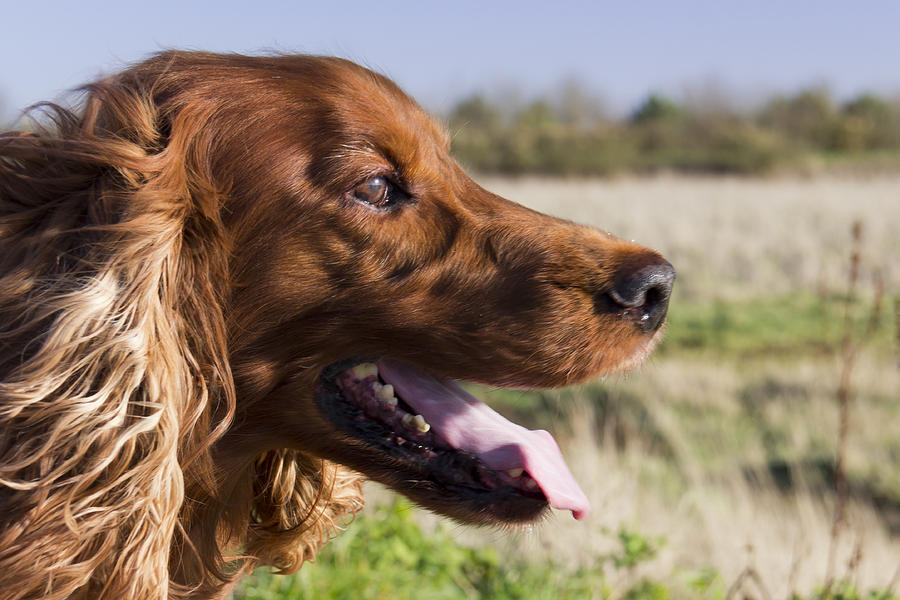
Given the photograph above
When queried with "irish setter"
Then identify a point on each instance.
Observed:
(231, 287)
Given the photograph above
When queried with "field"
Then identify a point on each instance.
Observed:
(712, 468)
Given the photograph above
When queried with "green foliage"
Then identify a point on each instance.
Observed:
(867, 123)
(386, 555)
(657, 109)
(646, 589)
(705, 583)
(845, 590)
(570, 135)
(806, 118)
(636, 548)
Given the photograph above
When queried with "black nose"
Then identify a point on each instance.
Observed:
(644, 294)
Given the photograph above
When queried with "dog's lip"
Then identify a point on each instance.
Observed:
(468, 424)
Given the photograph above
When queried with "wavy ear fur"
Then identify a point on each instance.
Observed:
(114, 373)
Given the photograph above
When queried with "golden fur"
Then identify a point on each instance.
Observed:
(174, 275)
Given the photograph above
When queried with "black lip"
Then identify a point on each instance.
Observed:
(446, 480)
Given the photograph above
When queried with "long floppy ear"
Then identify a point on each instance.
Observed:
(113, 363)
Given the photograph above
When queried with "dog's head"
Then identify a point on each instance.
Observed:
(358, 239)
(227, 276)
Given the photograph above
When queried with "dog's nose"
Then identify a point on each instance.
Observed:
(644, 294)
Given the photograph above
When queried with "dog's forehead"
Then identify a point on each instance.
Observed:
(375, 113)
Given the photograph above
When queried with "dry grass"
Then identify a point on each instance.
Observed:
(719, 518)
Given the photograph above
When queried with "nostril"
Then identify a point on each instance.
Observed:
(644, 294)
(628, 296)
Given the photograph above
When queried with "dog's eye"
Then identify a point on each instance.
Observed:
(378, 191)
(373, 191)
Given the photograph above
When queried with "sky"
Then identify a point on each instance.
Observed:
(441, 51)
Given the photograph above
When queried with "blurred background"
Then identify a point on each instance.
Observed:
(757, 145)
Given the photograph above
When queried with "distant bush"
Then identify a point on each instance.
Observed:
(571, 136)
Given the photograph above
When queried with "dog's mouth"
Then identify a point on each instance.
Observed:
(447, 449)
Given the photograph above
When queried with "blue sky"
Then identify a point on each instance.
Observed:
(440, 50)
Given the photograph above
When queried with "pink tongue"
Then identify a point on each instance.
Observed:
(468, 424)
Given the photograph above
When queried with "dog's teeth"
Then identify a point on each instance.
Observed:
(417, 423)
(515, 472)
(363, 370)
(421, 424)
(531, 484)
(385, 393)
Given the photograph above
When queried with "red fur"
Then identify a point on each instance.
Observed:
(181, 258)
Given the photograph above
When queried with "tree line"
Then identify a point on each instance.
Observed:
(571, 135)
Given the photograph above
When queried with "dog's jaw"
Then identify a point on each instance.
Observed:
(489, 468)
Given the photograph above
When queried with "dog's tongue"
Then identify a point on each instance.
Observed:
(468, 424)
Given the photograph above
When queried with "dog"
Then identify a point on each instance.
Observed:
(231, 287)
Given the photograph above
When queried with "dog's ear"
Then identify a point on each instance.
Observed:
(113, 361)
(298, 503)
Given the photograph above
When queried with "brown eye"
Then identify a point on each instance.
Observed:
(374, 191)
(380, 192)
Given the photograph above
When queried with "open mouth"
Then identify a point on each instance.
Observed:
(445, 446)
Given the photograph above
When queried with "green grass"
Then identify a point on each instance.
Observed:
(860, 162)
(385, 555)
(785, 326)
